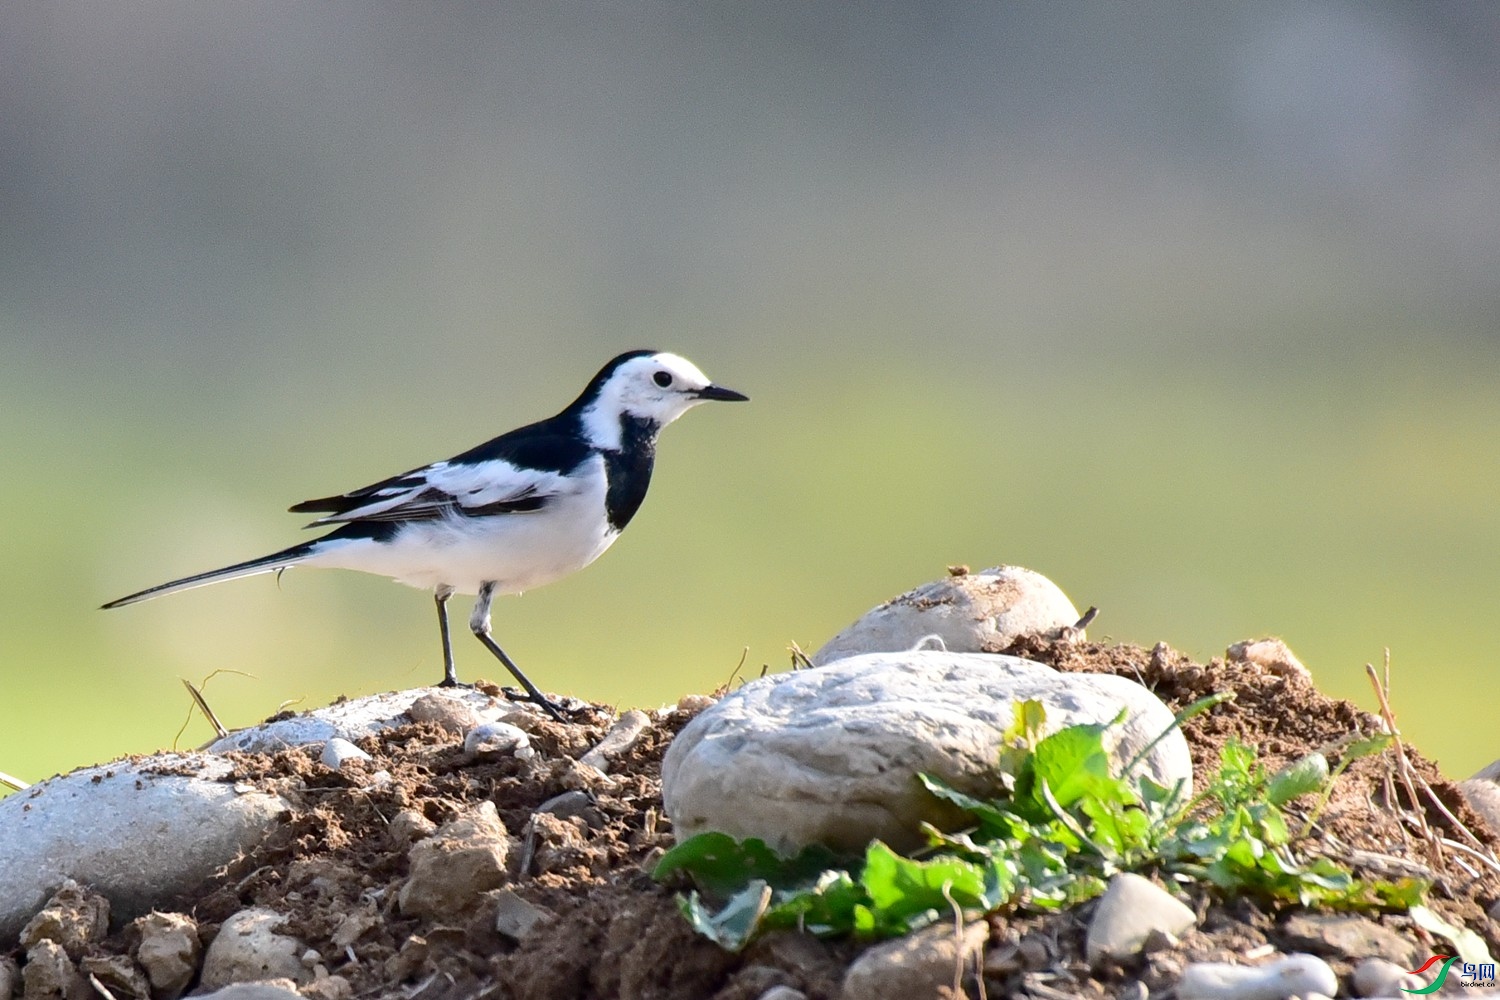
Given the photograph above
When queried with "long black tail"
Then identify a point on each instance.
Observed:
(265, 564)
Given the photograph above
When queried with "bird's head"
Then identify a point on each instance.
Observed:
(653, 386)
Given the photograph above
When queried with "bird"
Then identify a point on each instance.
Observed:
(519, 511)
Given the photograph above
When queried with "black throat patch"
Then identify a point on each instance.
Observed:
(628, 471)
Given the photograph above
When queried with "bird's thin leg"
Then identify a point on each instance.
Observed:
(450, 675)
(479, 623)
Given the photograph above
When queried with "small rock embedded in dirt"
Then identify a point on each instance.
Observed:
(168, 951)
(620, 738)
(249, 949)
(832, 755)
(970, 613)
(496, 738)
(445, 711)
(1483, 795)
(1375, 977)
(10, 977)
(73, 918)
(573, 804)
(692, 704)
(409, 826)
(339, 751)
(514, 916)
(279, 989)
(559, 844)
(1348, 936)
(783, 993)
(1129, 911)
(916, 965)
(117, 974)
(1292, 976)
(353, 925)
(464, 859)
(50, 973)
(1271, 654)
(328, 988)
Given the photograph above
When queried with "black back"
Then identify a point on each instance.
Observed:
(557, 444)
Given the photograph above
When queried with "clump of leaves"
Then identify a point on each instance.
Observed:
(1062, 827)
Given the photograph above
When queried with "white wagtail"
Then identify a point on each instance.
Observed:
(524, 509)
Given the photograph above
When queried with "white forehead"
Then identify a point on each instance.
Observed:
(679, 367)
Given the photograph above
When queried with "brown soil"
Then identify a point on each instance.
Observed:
(613, 932)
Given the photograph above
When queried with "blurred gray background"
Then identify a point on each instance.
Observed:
(1193, 308)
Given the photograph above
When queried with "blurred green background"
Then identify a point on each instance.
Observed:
(1193, 308)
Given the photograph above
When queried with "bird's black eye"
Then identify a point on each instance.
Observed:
(662, 379)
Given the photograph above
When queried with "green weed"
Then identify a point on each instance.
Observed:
(1063, 825)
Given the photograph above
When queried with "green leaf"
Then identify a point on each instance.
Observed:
(1028, 718)
(993, 820)
(901, 888)
(1301, 777)
(721, 865)
(1072, 762)
(1367, 746)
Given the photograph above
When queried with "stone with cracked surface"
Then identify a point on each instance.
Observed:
(832, 755)
(137, 832)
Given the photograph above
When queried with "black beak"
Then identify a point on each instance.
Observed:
(720, 393)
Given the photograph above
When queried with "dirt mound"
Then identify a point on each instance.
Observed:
(607, 930)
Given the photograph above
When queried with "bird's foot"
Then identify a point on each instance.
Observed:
(550, 707)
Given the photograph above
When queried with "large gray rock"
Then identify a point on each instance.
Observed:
(831, 755)
(349, 720)
(135, 831)
(968, 612)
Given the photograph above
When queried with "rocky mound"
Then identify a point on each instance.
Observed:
(437, 870)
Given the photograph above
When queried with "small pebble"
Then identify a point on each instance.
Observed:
(514, 916)
(783, 993)
(49, 972)
(168, 952)
(1292, 976)
(623, 735)
(1376, 977)
(409, 826)
(338, 751)
(692, 704)
(496, 738)
(1271, 654)
(248, 949)
(1132, 909)
(449, 713)
(117, 974)
(569, 805)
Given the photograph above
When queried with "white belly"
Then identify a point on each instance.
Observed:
(516, 552)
